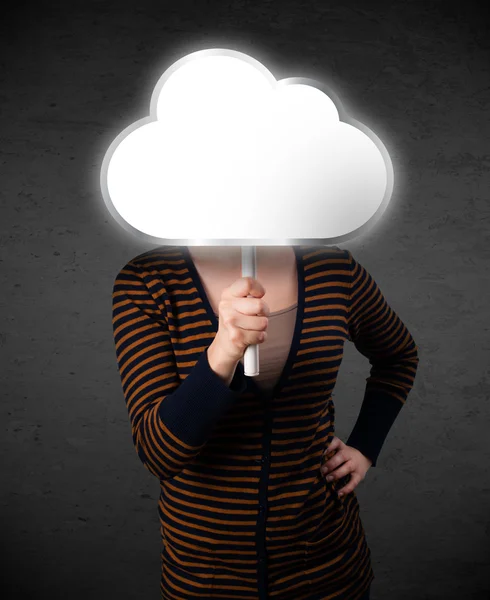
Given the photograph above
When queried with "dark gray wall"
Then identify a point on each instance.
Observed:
(78, 510)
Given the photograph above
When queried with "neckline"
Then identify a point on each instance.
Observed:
(298, 327)
(276, 312)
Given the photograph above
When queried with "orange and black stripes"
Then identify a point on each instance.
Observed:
(244, 510)
(381, 336)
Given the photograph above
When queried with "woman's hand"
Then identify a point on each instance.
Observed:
(345, 460)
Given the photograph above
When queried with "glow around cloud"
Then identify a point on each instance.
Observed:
(229, 153)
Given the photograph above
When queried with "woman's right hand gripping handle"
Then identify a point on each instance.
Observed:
(243, 320)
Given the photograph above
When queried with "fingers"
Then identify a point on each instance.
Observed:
(335, 444)
(354, 481)
(335, 461)
(250, 306)
(245, 286)
(339, 472)
(340, 463)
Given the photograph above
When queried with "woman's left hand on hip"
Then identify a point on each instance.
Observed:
(345, 460)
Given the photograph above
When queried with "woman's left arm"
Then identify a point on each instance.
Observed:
(379, 334)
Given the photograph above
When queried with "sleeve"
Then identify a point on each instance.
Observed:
(171, 420)
(378, 333)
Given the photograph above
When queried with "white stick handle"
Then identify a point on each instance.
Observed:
(249, 269)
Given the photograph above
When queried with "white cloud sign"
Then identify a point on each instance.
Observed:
(230, 155)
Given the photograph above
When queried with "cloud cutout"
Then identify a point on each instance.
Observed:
(230, 154)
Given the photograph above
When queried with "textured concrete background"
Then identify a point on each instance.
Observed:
(78, 510)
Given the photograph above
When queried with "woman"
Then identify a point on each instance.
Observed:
(246, 509)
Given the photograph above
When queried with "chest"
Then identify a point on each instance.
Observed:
(281, 285)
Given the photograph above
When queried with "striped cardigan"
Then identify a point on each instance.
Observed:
(244, 509)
